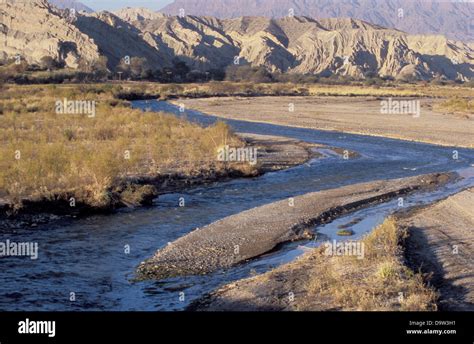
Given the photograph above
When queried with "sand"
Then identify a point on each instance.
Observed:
(359, 115)
(251, 233)
(441, 243)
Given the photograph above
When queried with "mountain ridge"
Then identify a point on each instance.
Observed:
(341, 46)
(454, 19)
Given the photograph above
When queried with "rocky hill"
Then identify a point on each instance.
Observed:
(448, 17)
(34, 29)
(292, 44)
(303, 45)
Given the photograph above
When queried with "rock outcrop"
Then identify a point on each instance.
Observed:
(33, 29)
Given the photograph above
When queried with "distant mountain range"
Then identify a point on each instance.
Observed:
(78, 6)
(292, 44)
(454, 19)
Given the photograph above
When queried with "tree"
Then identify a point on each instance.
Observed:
(95, 69)
(124, 69)
(197, 76)
(99, 67)
(217, 74)
(180, 70)
(135, 68)
(139, 68)
(48, 63)
(248, 73)
(164, 75)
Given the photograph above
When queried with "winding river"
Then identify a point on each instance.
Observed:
(88, 256)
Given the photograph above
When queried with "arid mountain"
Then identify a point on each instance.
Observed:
(454, 19)
(303, 45)
(117, 38)
(291, 44)
(34, 29)
(78, 6)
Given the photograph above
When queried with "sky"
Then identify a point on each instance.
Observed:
(99, 5)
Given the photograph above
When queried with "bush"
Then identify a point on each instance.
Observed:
(48, 63)
(469, 83)
(373, 82)
(248, 74)
(88, 157)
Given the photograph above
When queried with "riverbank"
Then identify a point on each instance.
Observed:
(323, 280)
(107, 156)
(417, 260)
(441, 245)
(273, 154)
(80, 149)
(153, 90)
(254, 232)
(356, 115)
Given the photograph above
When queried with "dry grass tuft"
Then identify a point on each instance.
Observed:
(228, 88)
(378, 282)
(457, 105)
(46, 155)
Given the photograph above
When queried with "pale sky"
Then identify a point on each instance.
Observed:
(116, 4)
(99, 5)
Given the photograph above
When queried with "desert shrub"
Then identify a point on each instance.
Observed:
(44, 154)
(378, 281)
(457, 104)
(469, 83)
(373, 81)
(248, 74)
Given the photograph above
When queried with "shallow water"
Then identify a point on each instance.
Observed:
(87, 256)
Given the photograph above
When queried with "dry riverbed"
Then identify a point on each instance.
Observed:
(251, 233)
(359, 115)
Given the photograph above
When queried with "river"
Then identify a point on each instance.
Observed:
(84, 263)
